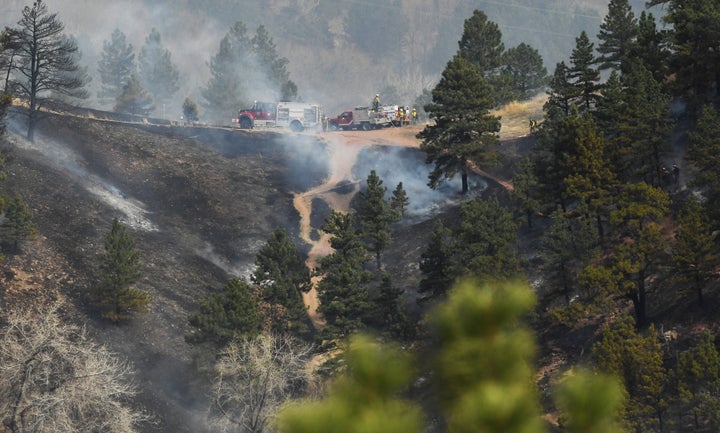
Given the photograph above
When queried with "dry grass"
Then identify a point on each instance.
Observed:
(515, 116)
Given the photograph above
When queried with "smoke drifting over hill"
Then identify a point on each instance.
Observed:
(326, 61)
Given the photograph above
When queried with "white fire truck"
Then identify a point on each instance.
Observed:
(298, 116)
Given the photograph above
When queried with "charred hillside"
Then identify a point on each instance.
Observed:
(198, 203)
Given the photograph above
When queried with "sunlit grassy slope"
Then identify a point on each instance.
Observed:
(515, 116)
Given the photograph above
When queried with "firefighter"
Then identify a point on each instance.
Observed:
(376, 102)
(401, 115)
(414, 116)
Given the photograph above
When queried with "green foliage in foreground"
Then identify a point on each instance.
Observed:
(482, 370)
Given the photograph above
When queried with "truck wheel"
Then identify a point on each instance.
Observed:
(296, 126)
(365, 126)
(332, 126)
(245, 123)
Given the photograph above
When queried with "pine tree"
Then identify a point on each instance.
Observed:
(637, 260)
(591, 179)
(275, 66)
(486, 242)
(389, 310)
(17, 224)
(399, 201)
(695, 58)
(492, 392)
(224, 89)
(282, 276)
(618, 33)
(134, 99)
(375, 215)
(704, 154)
(190, 110)
(525, 189)
(156, 71)
(567, 247)
(46, 61)
(481, 44)
(694, 254)
(528, 75)
(463, 130)
(232, 314)
(638, 361)
(582, 74)
(561, 93)
(343, 288)
(119, 270)
(116, 65)
(646, 125)
(651, 47)
(698, 377)
(436, 261)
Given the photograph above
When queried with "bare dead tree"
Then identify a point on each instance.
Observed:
(54, 379)
(253, 378)
(46, 61)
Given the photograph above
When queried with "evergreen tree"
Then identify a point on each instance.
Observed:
(618, 33)
(704, 154)
(527, 73)
(525, 189)
(119, 270)
(483, 360)
(343, 288)
(561, 93)
(463, 130)
(694, 255)
(232, 314)
(275, 66)
(567, 247)
(389, 310)
(436, 261)
(399, 201)
(591, 179)
(608, 114)
(638, 361)
(646, 126)
(116, 65)
(695, 59)
(698, 383)
(156, 71)
(17, 225)
(225, 90)
(46, 61)
(635, 261)
(485, 244)
(190, 110)
(282, 276)
(651, 47)
(9, 51)
(134, 99)
(582, 74)
(481, 44)
(375, 215)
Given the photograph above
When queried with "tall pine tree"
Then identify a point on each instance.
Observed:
(464, 131)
